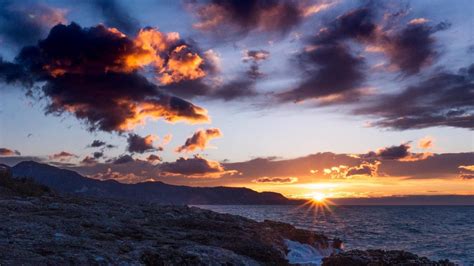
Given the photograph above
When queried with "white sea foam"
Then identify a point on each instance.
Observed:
(305, 254)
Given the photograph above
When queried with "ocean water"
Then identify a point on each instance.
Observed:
(437, 232)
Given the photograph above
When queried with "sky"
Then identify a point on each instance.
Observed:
(341, 98)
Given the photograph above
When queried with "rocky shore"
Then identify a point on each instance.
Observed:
(39, 227)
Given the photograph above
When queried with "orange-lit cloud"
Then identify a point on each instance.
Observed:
(127, 178)
(467, 172)
(94, 74)
(199, 140)
(426, 142)
(196, 167)
(62, 156)
(467, 167)
(343, 171)
(8, 152)
(155, 109)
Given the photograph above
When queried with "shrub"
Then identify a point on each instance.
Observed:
(23, 186)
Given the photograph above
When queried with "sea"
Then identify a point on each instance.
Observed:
(437, 232)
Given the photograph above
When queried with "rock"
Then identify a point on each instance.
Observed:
(380, 258)
(49, 229)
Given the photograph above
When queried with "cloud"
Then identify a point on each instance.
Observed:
(23, 23)
(467, 167)
(123, 159)
(97, 143)
(196, 167)
(93, 73)
(276, 180)
(13, 73)
(243, 86)
(116, 16)
(98, 154)
(141, 144)
(442, 99)
(333, 74)
(426, 142)
(255, 57)
(344, 171)
(413, 47)
(400, 153)
(8, 152)
(152, 158)
(237, 18)
(328, 70)
(127, 178)
(199, 140)
(467, 172)
(88, 160)
(364, 169)
(62, 156)
(466, 176)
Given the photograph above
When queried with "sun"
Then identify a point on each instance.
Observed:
(319, 197)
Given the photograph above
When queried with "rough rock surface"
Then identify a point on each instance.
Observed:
(380, 258)
(38, 227)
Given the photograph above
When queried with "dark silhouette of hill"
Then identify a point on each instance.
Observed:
(67, 181)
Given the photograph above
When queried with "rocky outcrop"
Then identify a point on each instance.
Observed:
(39, 227)
(65, 230)
(380, 258)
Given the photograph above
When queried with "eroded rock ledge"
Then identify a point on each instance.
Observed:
(38, 227)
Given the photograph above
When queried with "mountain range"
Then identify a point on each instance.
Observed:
(70, 182)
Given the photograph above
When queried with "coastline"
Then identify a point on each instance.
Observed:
(76, 230)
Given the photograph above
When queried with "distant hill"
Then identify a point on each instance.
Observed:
(67, 181)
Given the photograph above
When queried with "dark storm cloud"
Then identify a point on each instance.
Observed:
(235, 89)
(196, 167)
(123, 159)
(140, 144)
(8, 152)
(98, 154)
(237, 17)
(23, 23)
(389, 153)
(356, 24)
(116, 16)
(86, 72)
(328, 70)
(397, 152)
(97, 143)
(442, 99)
(329, 67)
(413, 47)
(11, 73)
(153, 158)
